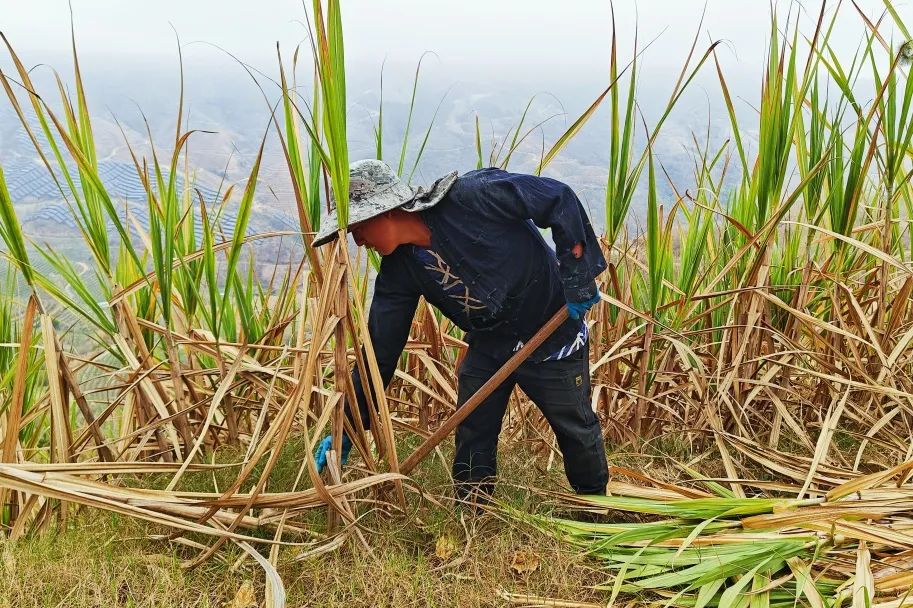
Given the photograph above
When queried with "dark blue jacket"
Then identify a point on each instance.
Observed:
(485, 230)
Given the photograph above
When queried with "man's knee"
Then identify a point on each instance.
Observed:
(587, 468)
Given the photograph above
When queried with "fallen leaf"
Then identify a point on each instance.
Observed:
(445, 547)
(524, 562)
(244, 598)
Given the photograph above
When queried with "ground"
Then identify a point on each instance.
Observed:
(437, 555)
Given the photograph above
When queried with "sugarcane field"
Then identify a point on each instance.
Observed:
(350, 303)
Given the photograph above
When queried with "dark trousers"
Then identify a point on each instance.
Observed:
(561, 390)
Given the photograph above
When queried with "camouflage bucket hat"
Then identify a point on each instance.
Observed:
(374, 188)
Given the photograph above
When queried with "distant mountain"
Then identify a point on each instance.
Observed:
(232, 117)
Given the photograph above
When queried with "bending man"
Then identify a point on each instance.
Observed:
(470, 245)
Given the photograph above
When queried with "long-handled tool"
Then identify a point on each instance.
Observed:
(484, 391)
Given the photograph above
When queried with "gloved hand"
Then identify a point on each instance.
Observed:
(576, 310)
(320, 454)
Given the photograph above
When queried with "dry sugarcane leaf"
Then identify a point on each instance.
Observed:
(805, 582)
(38, 484)
(275, 589)
(790, 465)
(883, 421)
(60, 431)
(904, 601)
(615, 346)
(535, 600)
(431, 366)
(867, 481)
(821, 515)
(824, 441)
(110, 468)
(898, 582)
(210, 415)
(425, 388)
(150, 393)
(862, 531)
(863, 583)
(331, 545)
(10, 439)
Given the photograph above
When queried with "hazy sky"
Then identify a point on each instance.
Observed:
(520, 35)
(491, 56)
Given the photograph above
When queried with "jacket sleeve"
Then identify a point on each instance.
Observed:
(392, 310)
(552, 204)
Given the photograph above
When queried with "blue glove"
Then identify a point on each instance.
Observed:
(320, 455)
(576, 310)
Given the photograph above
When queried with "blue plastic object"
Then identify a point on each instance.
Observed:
(320, 455)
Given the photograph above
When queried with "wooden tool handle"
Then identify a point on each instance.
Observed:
(484, 391)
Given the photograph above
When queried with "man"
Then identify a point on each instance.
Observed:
(470, 246)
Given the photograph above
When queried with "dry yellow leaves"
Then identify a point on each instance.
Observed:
(244, 598)
(445, 547)
(524, 562)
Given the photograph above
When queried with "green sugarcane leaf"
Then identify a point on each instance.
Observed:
(732, 596)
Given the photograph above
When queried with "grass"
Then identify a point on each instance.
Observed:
(100, 559)
(104, 560)
(98, 564)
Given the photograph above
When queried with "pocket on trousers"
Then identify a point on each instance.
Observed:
(576, 381)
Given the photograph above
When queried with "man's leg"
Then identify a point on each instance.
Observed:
(475, 459)
(561, 389)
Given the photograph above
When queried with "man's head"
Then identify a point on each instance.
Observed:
(375, 191)
(387, 231)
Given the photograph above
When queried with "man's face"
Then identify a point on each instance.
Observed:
(378, 233)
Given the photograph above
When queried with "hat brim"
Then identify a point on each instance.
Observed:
(395, 198)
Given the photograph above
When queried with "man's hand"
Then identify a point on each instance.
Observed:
(576, 310)
(320, 455)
